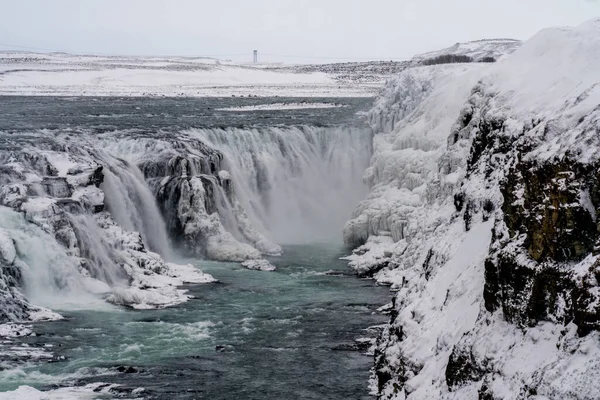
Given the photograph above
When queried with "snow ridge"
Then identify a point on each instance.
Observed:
(477, 50)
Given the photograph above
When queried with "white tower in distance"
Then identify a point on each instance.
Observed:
(255, 56)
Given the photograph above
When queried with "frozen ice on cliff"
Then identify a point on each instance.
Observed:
(480, 216)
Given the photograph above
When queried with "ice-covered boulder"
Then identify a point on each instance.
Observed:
(261, 265)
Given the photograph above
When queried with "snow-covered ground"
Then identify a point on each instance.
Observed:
(63, 74)
(88, 75)
(282, 106)
(477, 50)
(91, 391)
(478, 174)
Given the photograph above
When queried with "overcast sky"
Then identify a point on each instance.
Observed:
(282, 30)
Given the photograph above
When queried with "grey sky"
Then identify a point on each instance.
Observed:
(308, 30)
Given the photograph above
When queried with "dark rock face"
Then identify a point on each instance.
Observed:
(556, 224)
(546, 225)
(385, 373)
(462, 368)
(179, 203)
(550, 210)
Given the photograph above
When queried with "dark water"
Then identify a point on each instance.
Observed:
(152, 114)
(287, 334)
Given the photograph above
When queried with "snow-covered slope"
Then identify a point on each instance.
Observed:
(478, 50)
(482, 216)
(374, 72)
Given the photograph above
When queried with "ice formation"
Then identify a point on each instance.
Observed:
(482, 217)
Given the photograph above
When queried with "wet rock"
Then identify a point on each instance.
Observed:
(220, 348)
(127, 369)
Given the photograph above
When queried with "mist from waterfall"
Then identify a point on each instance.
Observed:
(299, 184)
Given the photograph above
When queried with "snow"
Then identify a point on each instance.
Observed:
(435, 317)
(408, 233)
(88, 75)
(566, 365)
(89, 391)
(479, 49)
(43, 314)
(68, 75)
(407, 152)
(150, 291)
(14, 330)
(282, 106)
(224, 247)
(62, 163)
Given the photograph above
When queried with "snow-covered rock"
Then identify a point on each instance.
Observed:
(481, 215)
(479, 50)
(261, 265)
(79, 225)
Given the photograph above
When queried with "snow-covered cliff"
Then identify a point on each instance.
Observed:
(482, 217)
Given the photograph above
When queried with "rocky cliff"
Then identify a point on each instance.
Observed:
(483, 218)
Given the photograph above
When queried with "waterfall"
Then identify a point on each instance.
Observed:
(298, 184)
(93, 214)
(131, 203)
(50, 276)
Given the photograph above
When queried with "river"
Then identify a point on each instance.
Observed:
(300, 332)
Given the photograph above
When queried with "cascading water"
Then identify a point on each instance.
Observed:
(298, 184)
(50, 277)
(132, 204)
(89, 211)
(230, 194)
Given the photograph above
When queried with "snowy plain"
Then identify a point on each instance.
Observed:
(62, 74)
(71, 75)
